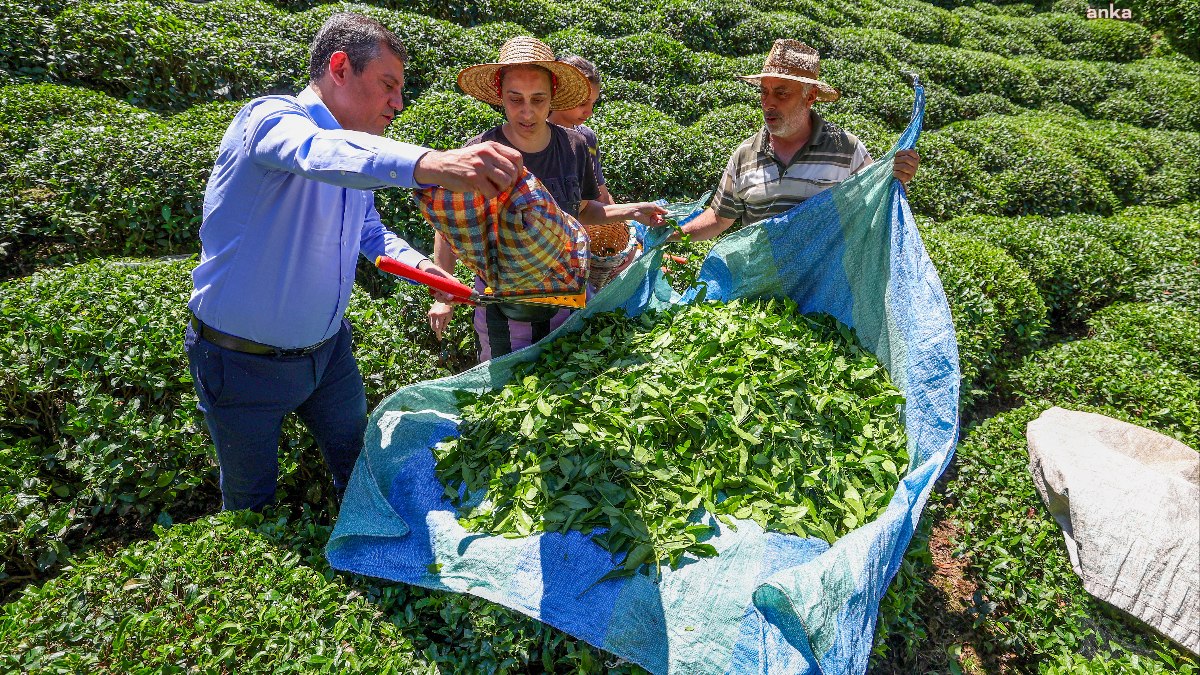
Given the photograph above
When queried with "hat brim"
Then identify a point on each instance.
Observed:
(573, 87)
(825, 92)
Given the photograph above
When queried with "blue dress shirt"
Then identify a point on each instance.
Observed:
(288, 208)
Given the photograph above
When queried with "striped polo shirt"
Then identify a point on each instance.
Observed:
(756, 185)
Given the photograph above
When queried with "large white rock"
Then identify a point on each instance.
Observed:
(1128, 502)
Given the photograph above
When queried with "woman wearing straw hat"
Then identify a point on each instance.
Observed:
(528, 83)
(796, 154)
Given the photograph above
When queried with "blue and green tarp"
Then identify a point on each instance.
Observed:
(768, 602)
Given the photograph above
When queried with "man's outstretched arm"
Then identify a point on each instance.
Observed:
(704, 226)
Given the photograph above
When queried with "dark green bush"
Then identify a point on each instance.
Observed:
(1100, 40)
(1163, 245)
(432, 45)
(703, 25)
(822, 12)
(872, 132)
(645, 57)
(1156, 93)
(1179, 21)
(1115, 375)
(873, 90)
(1006, 35)
(1079, 84)
(443, 120)
(129, 186)
(998, 314)
(94, 392)
(971, 72)
(24, 39)
(150, 56)
(1051, 164)
(1146, 237)
(900, 629)
(460, 633)
(1076, 273)
(1173, 334)
(738, 121)
(98, 406)
(688, 102)
(210, 596)
(949, 181)
(758, 32)
(865, 45)
(648, 156)
(1030, 605)
(912, 19)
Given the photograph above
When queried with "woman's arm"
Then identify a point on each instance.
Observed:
(592, 212)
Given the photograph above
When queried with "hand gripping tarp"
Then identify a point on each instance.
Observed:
(768, 602)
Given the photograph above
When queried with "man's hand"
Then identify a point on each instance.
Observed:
(905, 166)
(648, 213)
(439, 317)
(487, 168)
(428, 266)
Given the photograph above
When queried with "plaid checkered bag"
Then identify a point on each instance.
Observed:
(520, 243)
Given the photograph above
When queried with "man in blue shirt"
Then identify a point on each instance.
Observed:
(288, 209)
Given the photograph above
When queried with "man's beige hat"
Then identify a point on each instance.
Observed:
(794, 60)
(570, 86)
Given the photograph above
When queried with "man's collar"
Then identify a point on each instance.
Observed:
(317, 109)
(815, 137)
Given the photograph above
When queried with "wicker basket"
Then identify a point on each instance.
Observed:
(612, 247)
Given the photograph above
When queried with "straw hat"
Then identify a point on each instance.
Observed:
(794, 60)
(571, 87)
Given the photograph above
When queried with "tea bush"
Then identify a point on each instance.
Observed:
(460, 633)
(1173, 334)
(758, 32)
(24, 39)
(1030, 605)
(1051, 164)
(150, 56)
(702, 25)
(443, 120)
(1076, 273)
(126, 184)
(100, 414)
(998, 314)
(1007, 35)
(1115, 375)
(210, 595)
(1179, 21)
(432, 45)
(101, 410)
(970, 72)
(651, 156)
(1156, 93)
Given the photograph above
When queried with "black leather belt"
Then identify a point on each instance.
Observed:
(238, 344)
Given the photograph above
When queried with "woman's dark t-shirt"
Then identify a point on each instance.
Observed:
(565, 167)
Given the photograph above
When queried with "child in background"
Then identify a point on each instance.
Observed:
(574, 118)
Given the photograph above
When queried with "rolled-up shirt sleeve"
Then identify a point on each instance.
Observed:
(285, 139)
(726, 201)
(377, 240)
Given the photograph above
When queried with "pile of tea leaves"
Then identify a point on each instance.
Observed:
(748, 410)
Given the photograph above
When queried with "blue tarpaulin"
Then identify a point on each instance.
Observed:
(767, 602)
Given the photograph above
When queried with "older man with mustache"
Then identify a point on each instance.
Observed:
(797, 153)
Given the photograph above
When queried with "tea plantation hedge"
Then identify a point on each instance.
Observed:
(210, 596)
(1060, 200)
(98, 417)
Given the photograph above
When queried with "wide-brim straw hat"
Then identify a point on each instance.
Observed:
(794, 60)
(571, 87)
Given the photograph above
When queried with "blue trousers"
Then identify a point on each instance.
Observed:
(244, 398)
